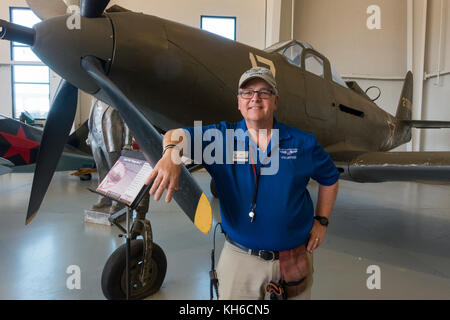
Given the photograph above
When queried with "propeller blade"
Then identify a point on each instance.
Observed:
(189, 197)
(93, 8)
(46, 9)
(55, 135)
(15, 32)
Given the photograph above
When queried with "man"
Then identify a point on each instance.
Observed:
(267, 215)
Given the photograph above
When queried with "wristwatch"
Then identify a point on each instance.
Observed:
(170, 146)
(322, 220)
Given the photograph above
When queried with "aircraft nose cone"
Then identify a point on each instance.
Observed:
(61, 44)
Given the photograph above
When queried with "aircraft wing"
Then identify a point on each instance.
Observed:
(427, 124)
(5, 170)
(360, 166)
(72, 159)
(5, 166)
(6, 162)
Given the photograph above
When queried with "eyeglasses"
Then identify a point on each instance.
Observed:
(248, 93)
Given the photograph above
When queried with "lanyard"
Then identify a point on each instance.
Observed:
(257, 175)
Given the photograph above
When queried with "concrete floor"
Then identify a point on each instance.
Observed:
(403, 228)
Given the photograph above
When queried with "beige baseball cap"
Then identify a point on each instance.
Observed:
(261, 73)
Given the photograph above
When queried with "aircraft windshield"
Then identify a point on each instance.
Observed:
(293, 54)
(337, 78)
(277, 46)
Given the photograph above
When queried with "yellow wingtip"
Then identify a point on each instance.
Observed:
(30, 218)
(203, 215)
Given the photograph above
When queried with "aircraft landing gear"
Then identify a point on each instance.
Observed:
(137, 268)
(85, 177)
(114, 284)
(85, 174)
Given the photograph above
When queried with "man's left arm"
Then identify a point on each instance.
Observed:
(325, 201)
(327, 175)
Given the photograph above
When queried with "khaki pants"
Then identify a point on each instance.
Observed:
(244, 277)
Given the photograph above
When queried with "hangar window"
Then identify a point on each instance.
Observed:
(222, 26)
(30, 77)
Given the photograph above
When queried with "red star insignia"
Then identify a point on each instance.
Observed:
(20, 144)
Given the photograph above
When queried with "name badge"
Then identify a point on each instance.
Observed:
(240, 156)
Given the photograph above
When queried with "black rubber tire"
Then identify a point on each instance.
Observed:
(85, 177)
(213, 189)
(113, 276)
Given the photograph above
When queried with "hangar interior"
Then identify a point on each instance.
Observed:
(400, 227)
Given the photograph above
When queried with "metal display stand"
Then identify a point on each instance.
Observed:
(128, 251)
(114, 219)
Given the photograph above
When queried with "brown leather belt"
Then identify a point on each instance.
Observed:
(263, 254)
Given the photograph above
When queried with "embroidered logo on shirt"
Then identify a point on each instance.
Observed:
(290, 153)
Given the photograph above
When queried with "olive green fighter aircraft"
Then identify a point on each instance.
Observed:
(162, 75)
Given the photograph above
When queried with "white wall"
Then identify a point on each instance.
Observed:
(436, 94)
(250, 14)
(338, 29)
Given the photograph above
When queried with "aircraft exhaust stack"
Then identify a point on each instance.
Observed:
(14, 32)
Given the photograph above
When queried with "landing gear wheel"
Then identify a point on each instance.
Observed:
(114, 273)
(213, 189)
(85, 177)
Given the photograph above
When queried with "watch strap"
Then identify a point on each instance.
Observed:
(322, 220)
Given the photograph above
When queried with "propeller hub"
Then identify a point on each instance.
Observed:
(62, 48)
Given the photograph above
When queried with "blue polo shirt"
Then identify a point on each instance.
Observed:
(284, 210)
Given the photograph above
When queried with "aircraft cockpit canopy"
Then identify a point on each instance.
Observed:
(292, 51)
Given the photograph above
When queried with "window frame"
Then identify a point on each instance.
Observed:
(26, 64)
(220, 17)
(326, 63)
(283, 50)
(316, 60)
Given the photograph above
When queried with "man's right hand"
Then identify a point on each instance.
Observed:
(165, 174)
